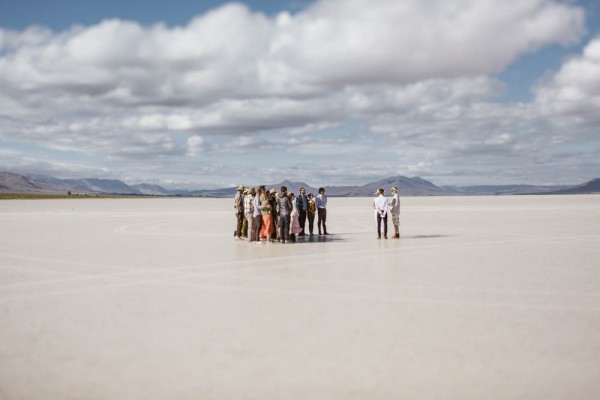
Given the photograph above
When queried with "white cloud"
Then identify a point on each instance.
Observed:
(575, 89)
(415, 77)
(196, 145)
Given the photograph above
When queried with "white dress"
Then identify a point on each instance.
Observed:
(295, 221)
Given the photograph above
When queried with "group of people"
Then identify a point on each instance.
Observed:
(267, 215)
(382, 207)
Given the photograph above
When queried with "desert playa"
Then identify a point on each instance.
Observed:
(481, 298)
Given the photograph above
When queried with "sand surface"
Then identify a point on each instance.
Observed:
(482, 298)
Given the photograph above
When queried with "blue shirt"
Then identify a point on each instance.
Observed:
(257, 207)
(321, 201)
(304, 199)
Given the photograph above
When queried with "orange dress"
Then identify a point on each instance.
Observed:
(267, 226)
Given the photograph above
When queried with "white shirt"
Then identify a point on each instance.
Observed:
(381, 203)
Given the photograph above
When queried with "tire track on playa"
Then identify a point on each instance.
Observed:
(125, 278)
(367, 253)
(148, 228)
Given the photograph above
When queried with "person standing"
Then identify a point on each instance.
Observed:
(238, 204)
(380, 203)
(249, 210)
(311, 210)
(321, 203)
(257, 216)
(284, 209)
(302, 206)
(267, 226)
(395, 211)
(295, 228)
(274, 218)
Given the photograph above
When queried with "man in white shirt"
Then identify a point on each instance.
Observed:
(321, 203)
(380, 204)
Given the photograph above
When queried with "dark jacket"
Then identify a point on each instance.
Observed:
(284, 205)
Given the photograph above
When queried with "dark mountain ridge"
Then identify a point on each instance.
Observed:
(416, 186)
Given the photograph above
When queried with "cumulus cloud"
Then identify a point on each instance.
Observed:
(342, 78)
(575, 89)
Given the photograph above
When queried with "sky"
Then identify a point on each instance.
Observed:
(205, 94)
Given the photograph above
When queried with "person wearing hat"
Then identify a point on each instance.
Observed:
(249, 210)
(238, 205)
(380, 204)
(395, 211)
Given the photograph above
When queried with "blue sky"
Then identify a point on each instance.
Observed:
(210, 93)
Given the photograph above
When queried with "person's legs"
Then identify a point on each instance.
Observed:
(250, 230)
(324, 221)
(257, 224)
(396, 222)
(385, 220)
(286, 227)
(378, 225)
(302, 220)
(319, 219)
(240, 222)
(311, 223)
(267, 225)
(281, 228)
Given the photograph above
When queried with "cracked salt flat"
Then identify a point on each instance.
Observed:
(492, 297)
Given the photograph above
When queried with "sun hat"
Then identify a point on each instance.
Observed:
(241, 188)
(273, 191)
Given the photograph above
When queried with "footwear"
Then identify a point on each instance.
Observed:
(385, 237)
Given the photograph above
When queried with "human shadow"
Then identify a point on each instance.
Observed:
(330, 238)
(423, 236)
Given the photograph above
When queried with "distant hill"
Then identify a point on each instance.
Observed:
(293, 187)
(84, 186)
(151, 190)
(42, 184)
(589, 187)
(16, 183)
(406, 187)
(500, 190)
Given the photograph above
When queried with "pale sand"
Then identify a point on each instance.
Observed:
(482, 298)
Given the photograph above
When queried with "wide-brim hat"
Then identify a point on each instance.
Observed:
(241, 187)
(273, 191)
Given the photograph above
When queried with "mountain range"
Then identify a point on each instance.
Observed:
(42, 184)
